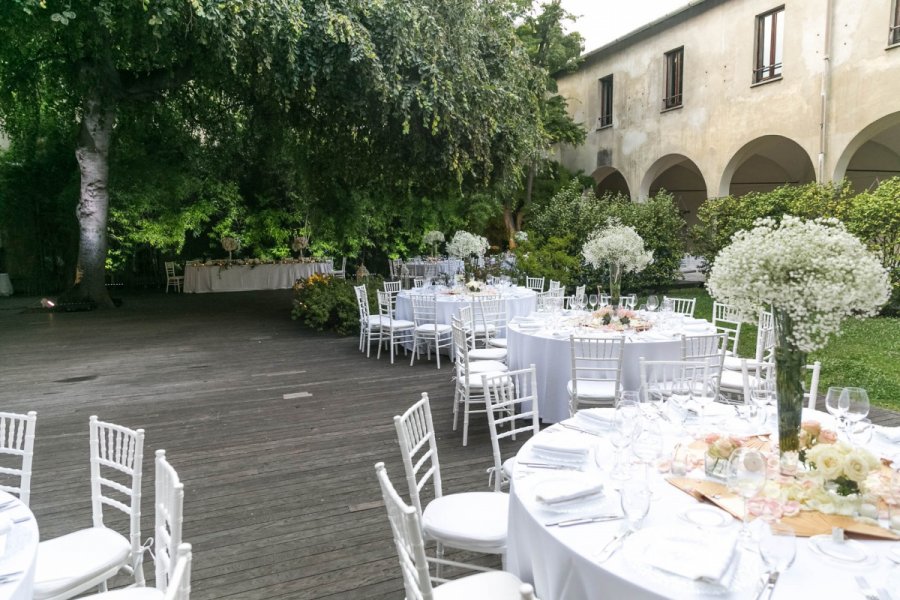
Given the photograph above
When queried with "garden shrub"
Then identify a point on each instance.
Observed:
(552, 259)
(323, 302)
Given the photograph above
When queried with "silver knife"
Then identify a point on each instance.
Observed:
(568, 426)
(597, 519)
(614, 544)
(539, 465)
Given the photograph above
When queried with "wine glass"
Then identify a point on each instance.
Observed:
(652, 303)
(647, 443)
(668, 305)
(857, 404)
(777, 547)
(836, 403)
(635, 499)
(624, 424)
(592, 301)
(746, 477)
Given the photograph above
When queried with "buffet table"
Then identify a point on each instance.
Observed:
(18, 548)
(519, 301)
(201, 278)
(537, 342)
(569, 563)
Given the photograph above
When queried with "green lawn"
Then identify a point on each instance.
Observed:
(866, 354)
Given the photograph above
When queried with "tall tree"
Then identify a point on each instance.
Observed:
(552, 51)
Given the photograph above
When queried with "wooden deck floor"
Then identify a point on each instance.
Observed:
(273, 429)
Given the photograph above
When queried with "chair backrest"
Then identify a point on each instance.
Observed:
(510, 400)
(490, 313)
(765, 337)
(662, 375)
(118, 450)
(684, 306)
(408, 539)
(394, 267)
(418, 448)
(393, 286)
(180, 582)
(535, 283)
(602, 298)
(466, 317)
(362, 301)
(579, 292)
(554, 285)
(17, 439)
(461, 341)
(424, 309)
(728, 321)
(170, 269)
(708, 350)
(596, 359)
(418, 281)
(812, 390)
(168, 520)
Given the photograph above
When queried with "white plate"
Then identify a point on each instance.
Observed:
(707, 516)
(850, 551)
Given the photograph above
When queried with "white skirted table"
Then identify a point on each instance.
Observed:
(18, 548)
(536, 342)
(202, 278)
(449, 266)
(519, 301)
(567, 562)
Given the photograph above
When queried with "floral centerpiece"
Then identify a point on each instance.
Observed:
(434, 238)
(718, 451)
(622, 249)
(467, 246)
(473, 286)
(616, 320)
(230, 244)
(299, 244)
(813, 274)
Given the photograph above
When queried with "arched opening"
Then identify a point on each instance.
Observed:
(610, 180)
(680, 176)
(766, 163)
(873, 155)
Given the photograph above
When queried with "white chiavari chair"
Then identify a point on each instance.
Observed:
(682, 306)
(709, 349)
(368, 324)
(474, 325)
(554, 285)
(17, 442)
(395, 332)
(468, 389)
(409, 540)
(73, 563)
(418, 282)
(428, 332)
(535, 283)
(727, 320)
(173, 280)
(342, 272)
(512, 404)
(596, 372)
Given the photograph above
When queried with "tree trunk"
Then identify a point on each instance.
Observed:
(510, 221)
(92, 153)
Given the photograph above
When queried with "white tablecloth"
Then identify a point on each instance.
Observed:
(6, 288)
(519, 302)
(200, 279)
(449, 266)
(559, 561)
(19, 551)
(550, 352)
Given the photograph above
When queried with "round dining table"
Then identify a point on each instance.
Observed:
(18, 549)
(542, 341)
(569, 557)
(519, 301)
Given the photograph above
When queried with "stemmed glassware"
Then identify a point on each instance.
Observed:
(647, 444)
(635, 498)
(777, 549)
(857, 404)
(652, 303)
(592, 301)
(746, 477)
(625, 421)
(837, 403)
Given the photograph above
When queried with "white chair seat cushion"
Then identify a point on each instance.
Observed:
(493, 585)
(71, 560)
(434, 327)
(497, 342)
(593, 389)
(135, 593)
(482, 328)
(734, 380)
(732, 363)
(487, 354)
(387, 323)
(487, 366)
(376, 320)
(470, 520)
(475, 381)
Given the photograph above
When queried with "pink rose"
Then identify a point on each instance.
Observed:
(827, 437)
(709, 438)
(813, 428)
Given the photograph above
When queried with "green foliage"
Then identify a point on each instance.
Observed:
(579, 213)
(875, 217)
(323, 302)
(551, 259)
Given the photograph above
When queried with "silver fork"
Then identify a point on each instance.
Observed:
(865, 588)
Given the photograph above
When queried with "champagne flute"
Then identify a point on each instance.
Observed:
(837, 403)
(624, 424)
(746, 477)
(592, 301)
(652, 303)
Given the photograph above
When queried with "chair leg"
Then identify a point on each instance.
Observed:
(466, 418)
(455, 407)
(380, 340)
(415, 350)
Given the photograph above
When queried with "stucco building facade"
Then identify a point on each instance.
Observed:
(728, 96)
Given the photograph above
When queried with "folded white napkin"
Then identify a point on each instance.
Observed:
(891, 434)
(594, 418)
(694, 554)
(567, 491)
(561, 448)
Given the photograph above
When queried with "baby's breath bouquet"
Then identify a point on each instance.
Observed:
(620, 247)
(813, 275)
(434, 238)
(467, 245)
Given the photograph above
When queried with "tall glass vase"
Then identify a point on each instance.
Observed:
(615, 284)
(790, 363)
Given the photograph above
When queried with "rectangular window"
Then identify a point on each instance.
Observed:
(674, 78)
(895, 24)
(606, 101)
(769, 45)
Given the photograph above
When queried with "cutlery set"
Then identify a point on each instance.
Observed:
(612, 545)
(583, 520)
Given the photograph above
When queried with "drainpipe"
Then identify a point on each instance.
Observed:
(826, 81)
